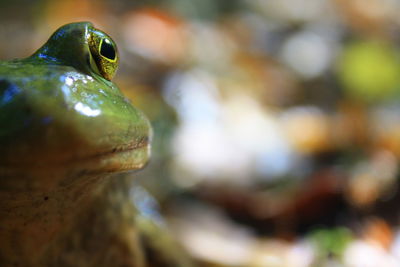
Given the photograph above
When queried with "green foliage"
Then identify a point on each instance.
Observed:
(370, 70)
(331, 242)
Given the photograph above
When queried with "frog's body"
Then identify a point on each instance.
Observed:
(65, 129)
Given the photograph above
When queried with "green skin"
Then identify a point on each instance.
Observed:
(64, 131)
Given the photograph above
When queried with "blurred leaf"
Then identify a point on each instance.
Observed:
(331, 242)
(370, 70)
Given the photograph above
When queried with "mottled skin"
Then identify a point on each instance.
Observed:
(65, 130)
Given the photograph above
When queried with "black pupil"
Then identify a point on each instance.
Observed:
(107, 49)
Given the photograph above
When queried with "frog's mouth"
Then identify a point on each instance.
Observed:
(121, 158)
(124, 157)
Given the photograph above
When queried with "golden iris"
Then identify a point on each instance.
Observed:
(104, 55)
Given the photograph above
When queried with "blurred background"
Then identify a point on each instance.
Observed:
(276, 122)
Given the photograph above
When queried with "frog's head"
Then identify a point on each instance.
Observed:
(62, 111)
(82, 46)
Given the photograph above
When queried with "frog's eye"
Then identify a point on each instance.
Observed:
(107, 49)
(104, 54)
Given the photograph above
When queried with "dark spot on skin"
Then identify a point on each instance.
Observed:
(107, 49)
(46, 198)
(27, 110)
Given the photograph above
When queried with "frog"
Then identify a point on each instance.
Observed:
(69, 143)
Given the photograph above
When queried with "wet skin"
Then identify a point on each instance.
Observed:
(65, 129)
(57, 108)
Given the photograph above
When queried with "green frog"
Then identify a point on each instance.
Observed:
(67, 139)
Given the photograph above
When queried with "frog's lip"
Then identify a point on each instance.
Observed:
(119, 158)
